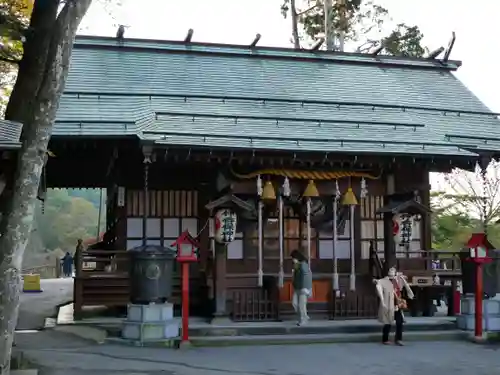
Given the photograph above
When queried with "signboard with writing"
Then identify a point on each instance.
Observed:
(402, 229)
(225, 226)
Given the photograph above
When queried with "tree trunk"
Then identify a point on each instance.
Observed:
(38, 120)
(295, 25)
(29, 77)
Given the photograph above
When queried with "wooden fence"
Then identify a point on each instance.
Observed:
(46, 271)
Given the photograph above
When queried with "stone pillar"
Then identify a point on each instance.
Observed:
(220, 313)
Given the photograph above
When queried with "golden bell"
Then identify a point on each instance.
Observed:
(311, 190)
(268, 192)
(349, 198)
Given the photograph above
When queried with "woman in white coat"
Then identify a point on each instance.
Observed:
(391, 304)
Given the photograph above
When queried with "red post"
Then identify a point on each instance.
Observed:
(478, 327)
(185, 301)
(457, 302)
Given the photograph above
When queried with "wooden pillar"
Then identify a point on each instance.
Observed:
(204, 236)
(220, 281)
(389, 247)
(357, 238)
(205, 266)
(426, 228)
(78, 287)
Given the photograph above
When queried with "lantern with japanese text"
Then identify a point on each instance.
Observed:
(225, 225)
(402, 228)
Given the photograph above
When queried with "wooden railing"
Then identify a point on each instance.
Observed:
(419, 261)
(46, 271)
(101, 279)
(354, 306)
(254, 304)
(422, 261)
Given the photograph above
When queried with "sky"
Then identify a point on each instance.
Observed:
(237, 21)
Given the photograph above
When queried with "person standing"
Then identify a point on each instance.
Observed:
(67, 264)
(302, 285)
(392, 304)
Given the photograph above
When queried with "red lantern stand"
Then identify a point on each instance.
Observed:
(478, 254)
(456, 301)
(187, 247)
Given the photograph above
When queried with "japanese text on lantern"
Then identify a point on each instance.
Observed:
(225, 226)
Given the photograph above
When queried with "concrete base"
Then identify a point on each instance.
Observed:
(491, 314)
(150, 331)
(490, 306)
(479, 340)
(185, 345)
(153, 322)
(150, 313)
(467, 322)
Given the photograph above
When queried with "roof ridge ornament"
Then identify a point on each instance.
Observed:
(255, 40)
(448, 50)
(434, 54)
(316, 46)
(189, 36)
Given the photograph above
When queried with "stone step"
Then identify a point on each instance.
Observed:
(325, 338)
(314, 328)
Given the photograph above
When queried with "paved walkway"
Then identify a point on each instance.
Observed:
(35, 307)
(62, 354)
(58, 353)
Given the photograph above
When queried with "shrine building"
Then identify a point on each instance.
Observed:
(327, 153)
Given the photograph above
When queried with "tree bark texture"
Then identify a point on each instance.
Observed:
(35, 101)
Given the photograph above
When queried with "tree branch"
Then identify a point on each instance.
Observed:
(308, 9)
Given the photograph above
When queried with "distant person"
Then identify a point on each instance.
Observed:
(67, 265)
(436, 264)
(302, 286)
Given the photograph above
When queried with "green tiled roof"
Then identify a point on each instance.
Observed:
(264, 98)
(10, 133)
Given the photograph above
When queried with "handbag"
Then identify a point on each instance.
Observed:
(400, 302)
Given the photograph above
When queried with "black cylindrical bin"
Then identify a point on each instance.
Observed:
(151, 271)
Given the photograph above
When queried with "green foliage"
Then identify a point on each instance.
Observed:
(14, 19)
(363, 19)
(405, 41)
(66, 216)
(450, 232)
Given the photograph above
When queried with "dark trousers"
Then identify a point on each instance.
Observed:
(398, 317)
